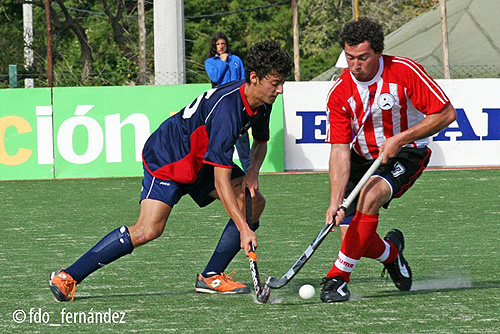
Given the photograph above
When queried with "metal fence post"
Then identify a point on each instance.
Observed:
(13, 76)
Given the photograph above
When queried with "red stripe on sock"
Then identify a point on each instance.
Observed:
(360, 236)
(393, 253)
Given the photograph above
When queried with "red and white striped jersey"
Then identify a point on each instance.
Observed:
(397, 98)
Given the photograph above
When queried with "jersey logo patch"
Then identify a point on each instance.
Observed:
(398, 170)
(386, 101)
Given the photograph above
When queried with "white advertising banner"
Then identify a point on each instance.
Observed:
(472, 140)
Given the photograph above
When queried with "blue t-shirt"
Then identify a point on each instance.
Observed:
(222, 72)
(204, 132)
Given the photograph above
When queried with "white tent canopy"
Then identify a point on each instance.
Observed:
(473, 39)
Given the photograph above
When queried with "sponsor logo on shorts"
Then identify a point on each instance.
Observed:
(164, 183)
(398, 170)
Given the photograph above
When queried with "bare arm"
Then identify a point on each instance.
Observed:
(429, 126)
(257, 155)
(229, 201)
(339, 170)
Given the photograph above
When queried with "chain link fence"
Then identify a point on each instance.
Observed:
(465, 72)
(96, 79)
(437, 72)
(149, 78)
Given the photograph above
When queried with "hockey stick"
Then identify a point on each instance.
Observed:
(272, 282)
(261, 293)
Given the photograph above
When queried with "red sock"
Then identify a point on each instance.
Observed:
(381, 250)
(360, 235)
(376, 248)
(393, 254)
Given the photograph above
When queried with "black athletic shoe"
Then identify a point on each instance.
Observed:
(399, 270)
(334, 290)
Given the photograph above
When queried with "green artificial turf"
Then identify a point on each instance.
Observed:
(451, 222)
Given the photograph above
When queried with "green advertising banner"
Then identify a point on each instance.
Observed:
(95, 131)
(100, 131)
(21, 144)
(275, 158)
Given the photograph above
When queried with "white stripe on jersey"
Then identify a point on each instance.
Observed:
(335, 84)
(396, 109)
(403, 114)
(414, 116)
(216, 103)
(424, 76)
(364, 94)
(378, 122)
(151, 187)
(413, 119)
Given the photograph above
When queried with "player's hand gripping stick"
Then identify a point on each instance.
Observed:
(272, 282)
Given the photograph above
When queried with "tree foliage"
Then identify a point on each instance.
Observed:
(96, 42)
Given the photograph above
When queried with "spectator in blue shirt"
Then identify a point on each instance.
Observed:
(222, 67)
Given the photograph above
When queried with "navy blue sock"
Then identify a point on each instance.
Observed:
(113, 246)
(226, 250)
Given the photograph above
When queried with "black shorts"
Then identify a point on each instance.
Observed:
(170, 192)
(400, 172)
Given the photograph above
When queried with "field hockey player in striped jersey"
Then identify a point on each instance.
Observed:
(390, 105)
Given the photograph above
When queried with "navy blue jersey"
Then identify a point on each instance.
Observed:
(204, 132)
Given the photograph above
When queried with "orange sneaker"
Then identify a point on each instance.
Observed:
(220, 283)
(63, 286)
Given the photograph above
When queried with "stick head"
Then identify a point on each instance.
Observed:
(263, 296)
(273, 283)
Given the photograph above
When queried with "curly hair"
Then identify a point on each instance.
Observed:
(212, 51)
(356, 32)
(266, 58)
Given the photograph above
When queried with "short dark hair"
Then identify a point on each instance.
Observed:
(364, 29)
(212, 51)
(266, 58)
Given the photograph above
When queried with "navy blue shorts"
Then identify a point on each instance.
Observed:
(171, 192)
(400, 172)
